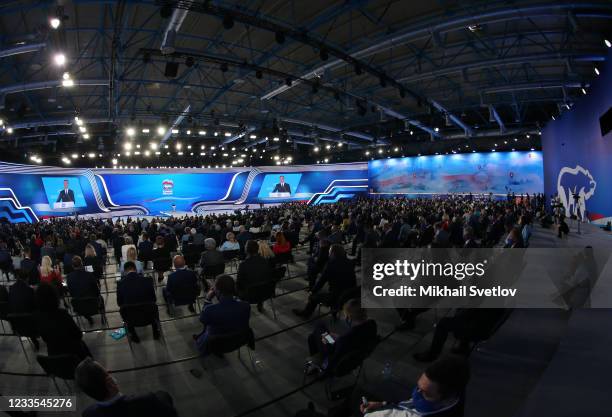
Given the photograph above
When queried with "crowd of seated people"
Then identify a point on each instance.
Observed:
(71, 254)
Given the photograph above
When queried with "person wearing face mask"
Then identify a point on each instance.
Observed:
(96, 382)
(361, 335)
(229, 315)
(439, 393)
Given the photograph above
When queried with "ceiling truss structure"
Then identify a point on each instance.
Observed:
(358, 73)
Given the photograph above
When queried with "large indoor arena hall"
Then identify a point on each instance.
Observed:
(290, 208)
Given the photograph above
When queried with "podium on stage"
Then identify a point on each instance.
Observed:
(280, 195)
(63, 205)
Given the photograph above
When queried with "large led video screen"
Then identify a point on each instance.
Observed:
(496, 172)
(172, 191)
(29, 193)
(63, 192)
(279, 186)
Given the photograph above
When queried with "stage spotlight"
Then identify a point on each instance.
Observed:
(583, 91)
(228, 21)
(279, 37)
(59, 59)
(596, 71)
(55, 22)
(161, 130)
(82, 129)
(436, 129)
(608, 43)
(127, 146)
(9, 130)
(323, 54)
(202, 132)
(130, 131)
(67, 81)
(86, 136)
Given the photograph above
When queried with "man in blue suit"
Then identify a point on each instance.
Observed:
(182, 286)
(229, 315)
(96, 382)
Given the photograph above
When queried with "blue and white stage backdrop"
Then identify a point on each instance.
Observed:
(29, 193)
(578, 153)
(498, 173)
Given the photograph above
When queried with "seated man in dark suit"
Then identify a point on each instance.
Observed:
(96, 382)
(362, 336)
(229, 315)
(467, 325)
(21, 299)
(252, 271)
(81, 283)
(339, 273)
(182, 285)
(145, 250)
(136, 289)
(439, 393)
(211, 256)
(30, 267)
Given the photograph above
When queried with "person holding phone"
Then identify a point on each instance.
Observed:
(327, 348)
(439, 393)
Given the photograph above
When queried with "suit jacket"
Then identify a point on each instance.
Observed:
(362, 336)
(211, 257)
(21, 298)
(31, 267)
(339, 273)
(227, 316)
(61, 334)
(182, 286)
(135, 289)
(65, 196)
(82, 284)
(150, 405)
(282, 188)
(253, 270)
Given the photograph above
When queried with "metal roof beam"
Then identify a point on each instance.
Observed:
(41, 85)
(468, 130)
(22, 49)
(176, 123)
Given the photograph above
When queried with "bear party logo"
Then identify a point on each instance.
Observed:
(167, 187)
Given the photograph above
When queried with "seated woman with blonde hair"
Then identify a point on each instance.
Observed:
(131, 257)
(48, 273)
(266, 252)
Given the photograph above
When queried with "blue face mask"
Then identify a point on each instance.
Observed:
(423, 405)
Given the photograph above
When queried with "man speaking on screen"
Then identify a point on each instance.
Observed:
(282, 186)
(66, 195)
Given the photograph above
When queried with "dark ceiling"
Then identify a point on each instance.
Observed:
(330, 80)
